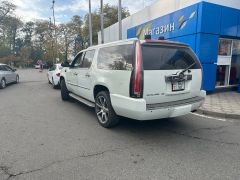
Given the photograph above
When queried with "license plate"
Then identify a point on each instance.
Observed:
(178, 86)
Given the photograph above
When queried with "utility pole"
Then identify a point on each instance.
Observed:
(90, 24)
(54, 24)
(102, 26)
(120, 19)
(50, 27)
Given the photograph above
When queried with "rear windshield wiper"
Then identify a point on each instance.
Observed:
(183, 71)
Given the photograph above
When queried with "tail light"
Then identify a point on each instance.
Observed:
(136, 83)
(58, 74)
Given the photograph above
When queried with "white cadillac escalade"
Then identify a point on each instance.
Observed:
(141, 80)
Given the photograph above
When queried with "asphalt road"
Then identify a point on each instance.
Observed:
(44, 138)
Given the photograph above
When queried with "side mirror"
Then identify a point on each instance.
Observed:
(14, 70)
(65, 64)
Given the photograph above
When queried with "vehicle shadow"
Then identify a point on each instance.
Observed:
(182, 129)
(178, 124)
(10, 85)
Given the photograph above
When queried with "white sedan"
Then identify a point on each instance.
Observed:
(54, 75)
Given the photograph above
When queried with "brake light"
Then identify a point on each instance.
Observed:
(136, 86)
(58, 74)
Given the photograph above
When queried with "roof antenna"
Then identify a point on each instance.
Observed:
(161, 38)
(147, 37)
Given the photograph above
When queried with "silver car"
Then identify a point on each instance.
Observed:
(7, 75)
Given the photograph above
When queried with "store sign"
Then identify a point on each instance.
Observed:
(175, 24)
(160, 30)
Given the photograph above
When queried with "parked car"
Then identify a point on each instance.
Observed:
(7, 75)
(142, 80)
(53, 75)
(37, 66)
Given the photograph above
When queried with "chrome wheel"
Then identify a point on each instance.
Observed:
(102, 109)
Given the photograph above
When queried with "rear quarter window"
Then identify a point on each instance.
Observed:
(119, 57)
(162, 57)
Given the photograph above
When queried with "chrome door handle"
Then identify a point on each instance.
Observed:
(87, 75)
(75, 74)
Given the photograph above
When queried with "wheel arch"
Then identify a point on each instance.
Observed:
(98, 88)
(61, 78)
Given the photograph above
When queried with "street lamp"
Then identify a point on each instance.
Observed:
(90, 24)
(120, 19)
(50, 28)
(55, 34)
(102, 26)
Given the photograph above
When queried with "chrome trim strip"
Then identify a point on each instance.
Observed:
(174, 103)
(77, 85)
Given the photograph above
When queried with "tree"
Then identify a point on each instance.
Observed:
(79, 41)
(5, 8)
(67, 38)
(28, 30)
(13, 25)
(30, 41)
(110, 17)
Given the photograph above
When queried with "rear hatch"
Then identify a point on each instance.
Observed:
(172, 72)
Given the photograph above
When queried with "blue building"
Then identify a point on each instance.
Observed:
(213, 32)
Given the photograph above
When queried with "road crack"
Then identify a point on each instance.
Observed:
(6, 170)
(201, 138)
(208, 128)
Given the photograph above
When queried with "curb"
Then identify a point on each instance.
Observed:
(218, 114)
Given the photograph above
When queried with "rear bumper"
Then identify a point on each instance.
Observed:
(56, 80)
(139, 110)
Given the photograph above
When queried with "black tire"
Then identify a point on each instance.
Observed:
(104, 111)
(53, 85)
(64, 91)
(2, 84)
(17, 79)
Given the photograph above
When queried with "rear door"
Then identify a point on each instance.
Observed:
(7, 74)
(12, 73)
(2, 72)
(163, 80)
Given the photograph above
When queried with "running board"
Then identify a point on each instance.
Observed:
(88, 103)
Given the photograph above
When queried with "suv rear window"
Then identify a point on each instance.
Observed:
(118, 57)
(162, 57)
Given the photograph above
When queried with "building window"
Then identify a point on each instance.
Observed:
(225, 46)
(235, 63)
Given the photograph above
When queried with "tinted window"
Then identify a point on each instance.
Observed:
(116, 57)
(168, 57)
(77, 60)
(52, 68)
(88, 58)
(7, 68)
(60, 67)
(3, 68)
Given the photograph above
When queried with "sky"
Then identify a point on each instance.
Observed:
(30, 10)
